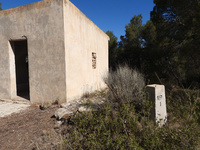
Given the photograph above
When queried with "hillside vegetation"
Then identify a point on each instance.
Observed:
(122, 122)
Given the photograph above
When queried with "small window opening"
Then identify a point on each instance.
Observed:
(94, 61)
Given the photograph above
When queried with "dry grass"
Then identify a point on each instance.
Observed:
(125, 85)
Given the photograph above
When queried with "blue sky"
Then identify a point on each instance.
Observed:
(110, 15)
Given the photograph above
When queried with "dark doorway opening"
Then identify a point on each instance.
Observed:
(20, 49)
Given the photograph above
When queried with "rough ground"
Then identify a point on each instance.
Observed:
(30, 129)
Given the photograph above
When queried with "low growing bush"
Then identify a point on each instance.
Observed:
(122, 128)
(125, 85)
(184, 104)
(123, 121)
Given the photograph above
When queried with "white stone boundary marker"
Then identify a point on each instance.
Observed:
(156, 94)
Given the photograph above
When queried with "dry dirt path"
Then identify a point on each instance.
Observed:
(25, 127)
(29, 129)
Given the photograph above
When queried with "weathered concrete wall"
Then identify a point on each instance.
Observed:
(61, 40)
(82, 37)
(42, 24)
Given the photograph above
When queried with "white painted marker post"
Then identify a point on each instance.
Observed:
(156, 94)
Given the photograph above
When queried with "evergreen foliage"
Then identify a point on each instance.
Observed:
(167, 46)
(123, 124)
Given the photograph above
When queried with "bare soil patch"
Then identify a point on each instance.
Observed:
(30, 129)
(36, 129)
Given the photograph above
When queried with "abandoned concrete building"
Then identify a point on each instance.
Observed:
(49, 50)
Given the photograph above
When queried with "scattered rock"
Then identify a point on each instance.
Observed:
(65, 105)
(66, 109)
(71, 105)
(58, 124)
(83, 108)
(61, 112)
(66, 116)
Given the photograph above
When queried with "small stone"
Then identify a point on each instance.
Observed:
(61, 112)
(58, 124)
(66, 116)
(83, 108)
(65, 105)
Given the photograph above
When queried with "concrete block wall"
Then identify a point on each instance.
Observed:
(82, 38)
(61, 40)
(42, 24)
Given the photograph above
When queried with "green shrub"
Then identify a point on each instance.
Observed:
(104, 129)
(123, 128)
(182, 138)
(184, 104)
(123, 121)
